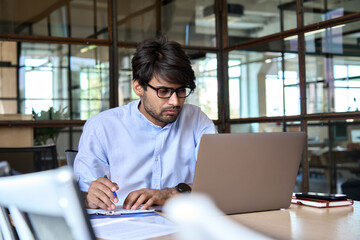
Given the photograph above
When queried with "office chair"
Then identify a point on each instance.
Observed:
(351, 188)
(46, 205)
(70, 156)
(30, 159)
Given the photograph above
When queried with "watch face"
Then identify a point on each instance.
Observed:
(183, 188)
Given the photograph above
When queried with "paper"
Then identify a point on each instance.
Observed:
(132, 228)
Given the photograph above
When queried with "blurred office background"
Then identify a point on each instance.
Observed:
(261, 66)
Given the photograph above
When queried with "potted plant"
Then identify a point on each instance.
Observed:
(44, 134)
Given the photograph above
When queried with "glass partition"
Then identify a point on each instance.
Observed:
(264, 82)
(47, 70)
(265, 127)
(43, 77)
(89, 80)
(333, 153)
(77, 18)
(333, 69)
(321, 10)
(180, 20)
(254, 19)
(126, 93)
(206, 91)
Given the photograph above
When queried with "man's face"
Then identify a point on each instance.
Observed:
(158, 110)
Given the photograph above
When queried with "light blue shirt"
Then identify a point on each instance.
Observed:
(133, 152)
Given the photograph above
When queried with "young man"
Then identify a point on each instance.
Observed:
(146, 150)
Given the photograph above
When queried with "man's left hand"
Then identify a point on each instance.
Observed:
(148, 197)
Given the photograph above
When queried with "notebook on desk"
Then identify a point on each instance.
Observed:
(249, 172)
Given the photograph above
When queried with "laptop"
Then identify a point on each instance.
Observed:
(249, 172)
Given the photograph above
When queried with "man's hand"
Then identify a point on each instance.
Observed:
(148, 197)
(100, 194)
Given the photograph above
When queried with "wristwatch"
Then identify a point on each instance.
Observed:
(183, 188)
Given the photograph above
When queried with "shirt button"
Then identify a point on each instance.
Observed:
(156, 185)
(156, 159)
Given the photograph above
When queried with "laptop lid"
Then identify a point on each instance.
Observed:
(248, 172)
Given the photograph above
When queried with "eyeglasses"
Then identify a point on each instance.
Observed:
(164, 92)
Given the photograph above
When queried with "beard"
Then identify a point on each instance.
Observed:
(161, 116)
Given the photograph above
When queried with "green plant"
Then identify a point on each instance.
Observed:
(42, 135)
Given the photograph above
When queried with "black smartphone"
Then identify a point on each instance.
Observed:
(322, 196)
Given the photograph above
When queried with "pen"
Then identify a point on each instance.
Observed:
(115, 195)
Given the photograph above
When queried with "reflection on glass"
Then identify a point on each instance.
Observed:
(206, 92)
(332, 69)
(90, 81)
(126, 93)
(77, 18)
(248, 19)
(333, 147)
(259, 86)
(137, 20)
(183, 21)
(321, 10)
(44, 78)
(265, 127)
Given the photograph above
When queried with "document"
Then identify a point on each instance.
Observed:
(132, 227)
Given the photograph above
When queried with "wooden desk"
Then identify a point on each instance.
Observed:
(301, 222)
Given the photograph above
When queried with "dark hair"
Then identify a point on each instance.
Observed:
(164, 59)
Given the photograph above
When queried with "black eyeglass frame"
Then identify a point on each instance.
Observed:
(171, 93)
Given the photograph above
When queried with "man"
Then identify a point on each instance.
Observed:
(138, 154)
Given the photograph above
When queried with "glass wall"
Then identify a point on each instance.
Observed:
(321, 10)
(264, 82)
(250, 19)
(184, 21)
(126, 93)
(204, 96)
(77, 18)
(333, 69)
(46, 70)
(334, 156)
(90, 87)
(270, 76)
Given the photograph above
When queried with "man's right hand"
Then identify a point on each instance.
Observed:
(100, 194)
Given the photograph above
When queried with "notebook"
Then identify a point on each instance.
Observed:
(249, 172)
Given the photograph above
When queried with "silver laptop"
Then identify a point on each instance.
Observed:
(249, 172)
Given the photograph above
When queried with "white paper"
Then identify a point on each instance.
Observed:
(132, 227)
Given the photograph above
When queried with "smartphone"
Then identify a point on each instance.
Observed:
(322, 196)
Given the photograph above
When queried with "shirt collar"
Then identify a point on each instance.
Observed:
(143, 118)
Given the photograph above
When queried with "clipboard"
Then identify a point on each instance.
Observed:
(120, 213)
(143, 214)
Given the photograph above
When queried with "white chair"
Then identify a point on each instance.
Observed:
(46, 205)
(7, 231)
(70, 157)
(199, 218)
